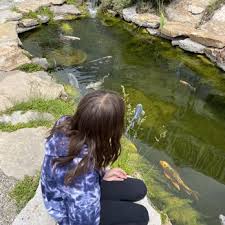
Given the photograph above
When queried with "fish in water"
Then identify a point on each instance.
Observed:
(97, 85)
(176, 180)
(73, 80)
(139, 112)
(101, 59)
(188, 85)
(222, 219)
(69, 38)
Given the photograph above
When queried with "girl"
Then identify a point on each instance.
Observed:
(77, 190)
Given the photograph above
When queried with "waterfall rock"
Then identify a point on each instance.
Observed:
(143, 20)
(22, 151)
(189, 45)
(8, 15)
(25, 117)
(26, 86)
(65, 10)
(42, 62)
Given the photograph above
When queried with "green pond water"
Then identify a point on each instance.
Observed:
(193, 122)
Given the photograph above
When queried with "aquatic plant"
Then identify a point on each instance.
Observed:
(66, 28)
(24, 190)
(67, 57)
(30, 67)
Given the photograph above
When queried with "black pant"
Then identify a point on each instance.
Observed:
(117, 207)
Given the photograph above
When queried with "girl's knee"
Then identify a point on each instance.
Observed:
(139, 188)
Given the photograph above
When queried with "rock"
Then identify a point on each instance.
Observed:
(8, 210)
(155, 218)
(8, 15)
(8, 34)
(42, 62)
(143, 20)
(176, 29)
(22, 151)
(189, 45)
(26, 86)
(58, 2)
(11, 57)
(217, 56)
(24, 29)
(43, 19)
(65, 10)
(25, 117)
(34, 213)
(154, 32)
(219, 15)
(208, 38)
(187, 11)
(28, 23)
(31, 5)
(195, 10)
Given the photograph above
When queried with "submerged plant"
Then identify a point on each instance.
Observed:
(66, 28)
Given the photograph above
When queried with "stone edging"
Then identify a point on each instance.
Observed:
(184, 35)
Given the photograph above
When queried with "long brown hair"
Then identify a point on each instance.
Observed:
(97, 123)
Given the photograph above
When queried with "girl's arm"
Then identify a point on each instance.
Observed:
(82, 199)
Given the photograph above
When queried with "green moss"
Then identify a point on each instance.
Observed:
(36, 123)
(175, 207)
(30, 67)
(25, 190)
(71, 2)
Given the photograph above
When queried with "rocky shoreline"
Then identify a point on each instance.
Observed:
(182, 26)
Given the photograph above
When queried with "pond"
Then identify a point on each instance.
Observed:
(185, 121)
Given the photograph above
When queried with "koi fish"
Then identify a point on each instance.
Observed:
(137, 115)
(188, 85)
(176, 180)
(69, 38)
(222, 219)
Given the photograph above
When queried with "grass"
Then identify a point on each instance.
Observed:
(30, 67)
(25, 190)
(71, 2)
(7, 127)
(210, 10)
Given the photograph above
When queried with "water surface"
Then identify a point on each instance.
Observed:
(151, 70)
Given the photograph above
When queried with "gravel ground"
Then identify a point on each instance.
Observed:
(8, 210)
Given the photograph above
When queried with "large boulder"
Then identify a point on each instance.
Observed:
(176, 29)
(147, 20)
(34, 213)
(22, 151)
(26, 86)
(65, 10)
(31, 5)
(8, 34)
(8, 15)
(187, 11)
(11, 57)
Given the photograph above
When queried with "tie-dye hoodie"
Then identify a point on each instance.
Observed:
(78, 203)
